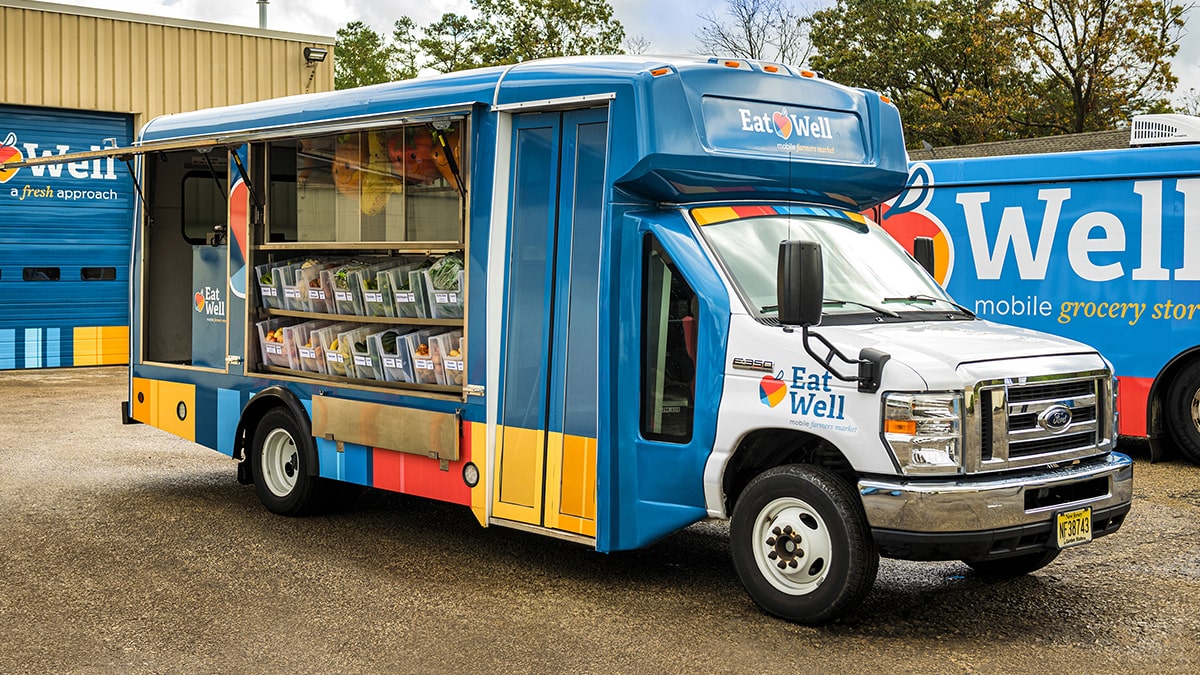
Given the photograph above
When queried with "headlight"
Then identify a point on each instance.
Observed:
(924, 431)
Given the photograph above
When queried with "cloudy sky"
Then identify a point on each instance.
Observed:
(668, 25)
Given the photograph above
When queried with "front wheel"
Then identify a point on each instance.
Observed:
(280, 466)
(801, 544)
(1183, 411)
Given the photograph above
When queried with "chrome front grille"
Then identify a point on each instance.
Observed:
(1022, 423)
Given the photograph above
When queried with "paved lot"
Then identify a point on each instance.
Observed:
(125, 549)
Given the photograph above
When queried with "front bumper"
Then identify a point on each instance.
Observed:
(977, 518)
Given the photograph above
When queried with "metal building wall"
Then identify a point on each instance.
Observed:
(62, 56)
(71, 77)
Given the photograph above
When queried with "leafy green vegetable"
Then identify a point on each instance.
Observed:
(388, 341)
(444, 273)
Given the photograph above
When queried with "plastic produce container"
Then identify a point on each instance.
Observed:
(446, 352)
(445, 303)
(312, 357)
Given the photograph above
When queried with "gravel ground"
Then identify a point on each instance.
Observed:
(126, 549)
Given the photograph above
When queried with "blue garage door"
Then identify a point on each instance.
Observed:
(64, 241)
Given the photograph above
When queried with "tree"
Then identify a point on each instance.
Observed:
(521, 30)
(1099, 61)
(951, 66)
(454, 42)
(769, 30)
(361, 57)
(406, 49)
(1189, 102)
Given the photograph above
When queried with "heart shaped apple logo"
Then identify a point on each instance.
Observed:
(783, 125)
(9, 153)
(772, 390)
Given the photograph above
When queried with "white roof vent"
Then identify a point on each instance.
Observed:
(1164, 130)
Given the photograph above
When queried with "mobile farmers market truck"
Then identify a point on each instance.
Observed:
(1101, 246)
(602, 299)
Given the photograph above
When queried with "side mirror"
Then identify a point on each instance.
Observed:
(923, 252)
(800, 283)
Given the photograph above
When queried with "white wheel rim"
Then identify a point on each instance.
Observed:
(280, 462)
(792, 546)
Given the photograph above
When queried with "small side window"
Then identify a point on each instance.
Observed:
(97, 273)
(204, 205)
(40, 274)
(669, 315)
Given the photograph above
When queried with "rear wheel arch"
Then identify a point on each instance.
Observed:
(263, 402)
(1161, 406)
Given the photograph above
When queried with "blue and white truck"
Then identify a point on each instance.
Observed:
(602, 299)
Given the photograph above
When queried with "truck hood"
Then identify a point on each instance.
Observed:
(936, 349)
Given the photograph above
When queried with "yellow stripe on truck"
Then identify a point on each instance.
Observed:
(170, 406)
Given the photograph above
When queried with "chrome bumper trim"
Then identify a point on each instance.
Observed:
(969, 504)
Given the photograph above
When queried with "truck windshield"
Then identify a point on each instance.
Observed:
(866, 271)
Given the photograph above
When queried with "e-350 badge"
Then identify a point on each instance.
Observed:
(754, 364)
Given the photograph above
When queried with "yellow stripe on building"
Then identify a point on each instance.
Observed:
(101, 345)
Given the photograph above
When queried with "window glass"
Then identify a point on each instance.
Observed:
(97, 273)
(40, 274)
(204, 204)
(399, 183)
(669, 321)
(863, 265)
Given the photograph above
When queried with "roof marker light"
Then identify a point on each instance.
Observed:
(807, 73)
(733, 64)
(660, 71)
(771, 69)
(885, 99)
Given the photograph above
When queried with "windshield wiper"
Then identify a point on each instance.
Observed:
(878, 310)
(932, 298)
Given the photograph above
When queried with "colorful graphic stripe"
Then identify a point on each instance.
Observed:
(713, 215)
(58, 347)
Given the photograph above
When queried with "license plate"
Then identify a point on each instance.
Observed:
(1074, 527)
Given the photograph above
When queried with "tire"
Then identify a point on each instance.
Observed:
(1183, 411)
(810, 522)
(1013, 567)
(280, 466)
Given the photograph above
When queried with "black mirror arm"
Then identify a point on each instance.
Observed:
(870, 362)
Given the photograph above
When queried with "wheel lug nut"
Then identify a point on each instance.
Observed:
(771, 541)
(775, 530)
(772, 555)
(782, 565)
(793, 564)
(787, 529)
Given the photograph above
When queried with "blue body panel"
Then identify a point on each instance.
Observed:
(1102, 247)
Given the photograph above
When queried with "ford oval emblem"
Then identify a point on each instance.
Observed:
(1055, 418)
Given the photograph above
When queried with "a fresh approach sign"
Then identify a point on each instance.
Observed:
(783, 129)
(59, 182)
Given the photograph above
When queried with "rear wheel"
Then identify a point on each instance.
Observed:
(1183, 411)
(280, 464)
(801, 544)
(1015, 566)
